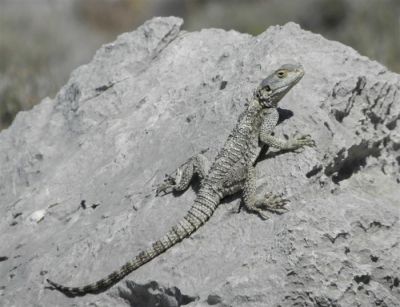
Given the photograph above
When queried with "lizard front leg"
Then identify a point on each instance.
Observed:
(261, 205)
(183, 175)
(269, 122)
(292, 144)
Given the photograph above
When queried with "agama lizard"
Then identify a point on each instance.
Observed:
(232, 171)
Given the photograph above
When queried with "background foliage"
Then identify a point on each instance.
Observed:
(42, 41)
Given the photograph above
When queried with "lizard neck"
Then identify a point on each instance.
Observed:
(252, 117)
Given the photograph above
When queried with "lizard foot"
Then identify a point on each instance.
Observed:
(167, 186)
(302, 141)
(270, 203)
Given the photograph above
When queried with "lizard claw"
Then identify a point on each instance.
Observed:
(273, 203)
(303, 141)
(270, 203)
(166, 186)
(264, 216)
(306, 140)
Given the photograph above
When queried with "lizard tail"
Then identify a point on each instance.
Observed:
(202, 209)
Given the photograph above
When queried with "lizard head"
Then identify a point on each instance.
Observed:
(276, 85)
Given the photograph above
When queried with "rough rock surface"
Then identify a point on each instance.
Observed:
(77, 176)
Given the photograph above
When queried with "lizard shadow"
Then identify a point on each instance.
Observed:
(71, 295)
(284, 114)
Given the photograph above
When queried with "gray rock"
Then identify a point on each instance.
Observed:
(77, 176)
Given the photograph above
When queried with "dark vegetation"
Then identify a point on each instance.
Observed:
(42, 41)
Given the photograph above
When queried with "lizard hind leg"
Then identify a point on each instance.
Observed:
(184, 174)
(261, 205)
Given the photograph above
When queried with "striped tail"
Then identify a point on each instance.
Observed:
(202, 209)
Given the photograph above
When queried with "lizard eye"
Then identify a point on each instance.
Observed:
(281, 73)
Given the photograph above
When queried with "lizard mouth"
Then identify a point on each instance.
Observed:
(275, 96)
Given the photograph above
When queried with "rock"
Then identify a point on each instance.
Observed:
(88, 161)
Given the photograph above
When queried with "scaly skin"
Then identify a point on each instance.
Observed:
(232, 171)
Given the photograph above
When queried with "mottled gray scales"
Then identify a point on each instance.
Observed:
(232, 171)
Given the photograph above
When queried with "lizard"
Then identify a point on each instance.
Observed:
(232, 170)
